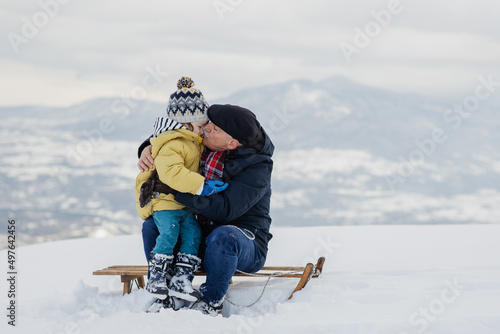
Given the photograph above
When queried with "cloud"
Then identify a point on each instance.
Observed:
(100, 49)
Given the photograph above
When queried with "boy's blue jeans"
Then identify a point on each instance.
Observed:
(227, 249)
(174, 223)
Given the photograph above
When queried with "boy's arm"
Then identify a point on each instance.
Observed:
(171, 170)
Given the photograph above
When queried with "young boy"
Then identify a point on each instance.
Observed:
(176, 149)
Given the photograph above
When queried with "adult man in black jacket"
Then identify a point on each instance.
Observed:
(235, 221)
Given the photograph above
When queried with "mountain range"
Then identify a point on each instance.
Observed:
(346, 154)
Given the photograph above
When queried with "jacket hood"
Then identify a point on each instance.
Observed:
(265, 147)
(268, 148)
(249, 156)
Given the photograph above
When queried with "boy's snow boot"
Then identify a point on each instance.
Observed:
(178, 304)
(180, 285)
(159, 304)
(159, 267)
(169, 266)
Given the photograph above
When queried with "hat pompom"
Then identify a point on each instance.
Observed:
(185, 82)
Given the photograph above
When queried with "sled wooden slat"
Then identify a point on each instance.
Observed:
(131, 274)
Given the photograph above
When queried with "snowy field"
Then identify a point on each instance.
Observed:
(376, 279)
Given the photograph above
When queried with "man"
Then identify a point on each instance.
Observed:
(235, 222)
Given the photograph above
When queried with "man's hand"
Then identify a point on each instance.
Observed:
(146, 161)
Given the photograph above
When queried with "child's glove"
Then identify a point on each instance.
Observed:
(152, 189)
(146, 193)
(211, 187)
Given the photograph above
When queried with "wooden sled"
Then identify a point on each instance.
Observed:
(131, 274)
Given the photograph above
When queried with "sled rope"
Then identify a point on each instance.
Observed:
(265, 286)
(251, 236)
(255, 302)
(298, 272)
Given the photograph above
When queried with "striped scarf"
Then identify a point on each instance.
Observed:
(163, 124)
(212, 164)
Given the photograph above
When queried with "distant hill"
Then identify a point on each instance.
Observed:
(345, 154)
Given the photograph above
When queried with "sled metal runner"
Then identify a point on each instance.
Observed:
(131, 274)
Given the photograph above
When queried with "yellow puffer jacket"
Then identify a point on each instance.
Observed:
(176, 155)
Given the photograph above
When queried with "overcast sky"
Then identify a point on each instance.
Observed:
(61, 52)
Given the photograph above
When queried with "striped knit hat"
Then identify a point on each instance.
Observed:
(187, 104)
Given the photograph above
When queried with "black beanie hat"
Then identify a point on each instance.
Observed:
(238, 122)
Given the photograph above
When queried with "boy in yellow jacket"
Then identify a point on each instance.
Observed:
(176, 149)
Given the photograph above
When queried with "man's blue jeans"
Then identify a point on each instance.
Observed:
(227, 249)
(149, 234)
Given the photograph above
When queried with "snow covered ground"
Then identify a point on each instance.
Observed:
(377, 279)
